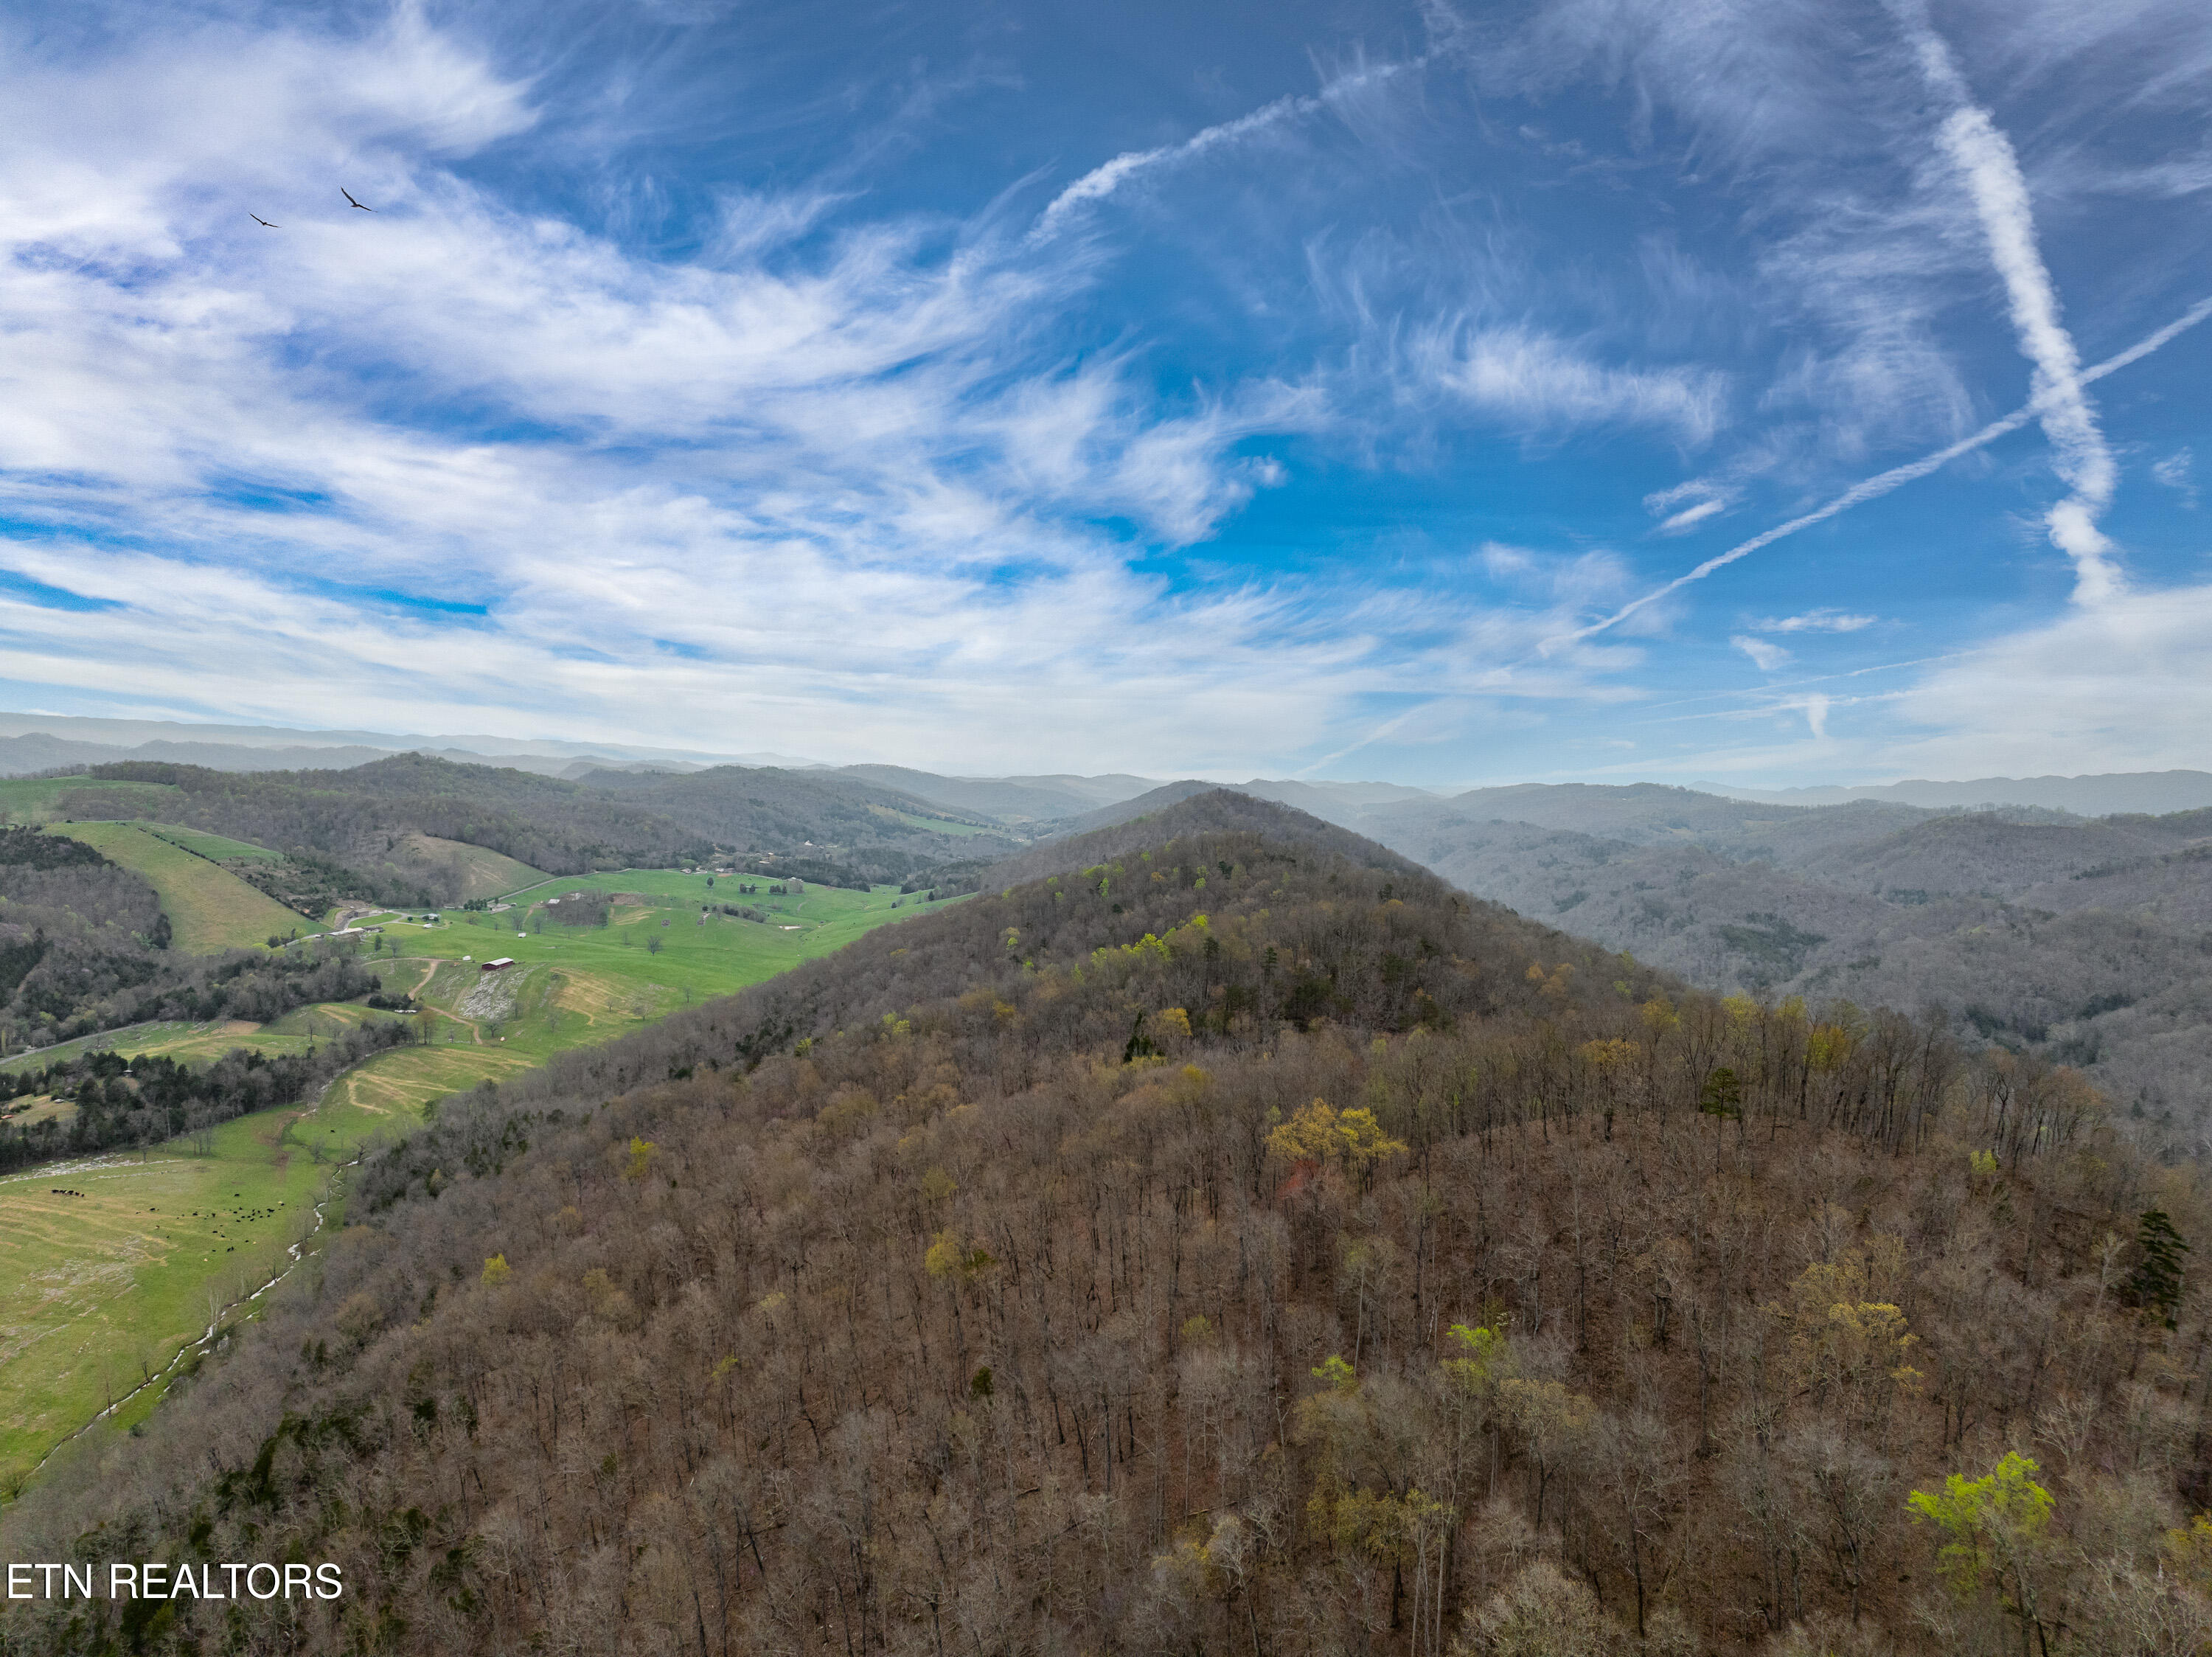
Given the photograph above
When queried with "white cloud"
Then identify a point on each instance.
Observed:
(2126, 685)
(1688, 504)
(1815, 708)
(2175, 472)
(1768, 656)
(1506, 563)
(1533, 380)
(1691, 516)
(1817, 621)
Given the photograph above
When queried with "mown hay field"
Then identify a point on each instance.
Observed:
(209, 908)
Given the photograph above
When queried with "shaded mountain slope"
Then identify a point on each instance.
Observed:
(367, 818)
(356, 816)
(856, 824)
(1147, 804)
(1015, 799)
(2097, 795)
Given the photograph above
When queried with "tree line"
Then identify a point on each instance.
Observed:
(146, 1100)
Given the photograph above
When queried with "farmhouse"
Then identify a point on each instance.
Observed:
(494, 967)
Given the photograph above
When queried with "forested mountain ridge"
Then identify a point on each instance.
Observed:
(363, 818)
(356, 815)
(1013, 800)
(841, 820)
(1223, 1243)
(2082, 941)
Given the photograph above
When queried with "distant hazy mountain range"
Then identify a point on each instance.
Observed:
(2087, 796)
(30, 743)
(2074, 939)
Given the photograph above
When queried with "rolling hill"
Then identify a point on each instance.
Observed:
(1315, 1260)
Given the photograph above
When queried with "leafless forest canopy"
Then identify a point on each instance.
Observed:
(1229, 1239)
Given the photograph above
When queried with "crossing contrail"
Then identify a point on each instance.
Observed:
(1990, 168)
(1882, 483)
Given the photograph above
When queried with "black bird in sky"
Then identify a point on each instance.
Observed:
(348, 194)
(263, 222)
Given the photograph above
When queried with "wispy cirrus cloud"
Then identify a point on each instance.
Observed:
(840, 482)
(1818, 621)
(773, 401)
(2176, 472)
(1109, 177)
(1533, 380)
(1687, 505)
(1895, 477)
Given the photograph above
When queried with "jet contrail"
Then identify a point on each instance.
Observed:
(1883, 482)
(1372, 737)
(1986, 161)
(1103, 180)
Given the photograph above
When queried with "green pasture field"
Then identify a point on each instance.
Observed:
(209, 907)
(935, 824)
(31, 799)
(573, 986)
(103, 1290)
(130, 1040)
(211, 845)
(111, 1287)
(203, 1041)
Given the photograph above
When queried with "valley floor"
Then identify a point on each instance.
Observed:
(107, 1287)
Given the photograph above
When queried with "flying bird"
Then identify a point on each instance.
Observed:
(348, 194)
(263, 222)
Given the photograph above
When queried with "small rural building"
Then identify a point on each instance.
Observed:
(494, 967)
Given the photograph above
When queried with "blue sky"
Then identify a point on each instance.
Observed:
(1340, 391)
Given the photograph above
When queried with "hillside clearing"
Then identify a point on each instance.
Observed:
(217, 846)
(476, 871)
(209, 907)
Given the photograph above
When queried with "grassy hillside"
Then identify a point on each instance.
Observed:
(103, 1296)
(1313, 1260)
(208, 907)
(216, 847)
(698, 953)
(103, 1290)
